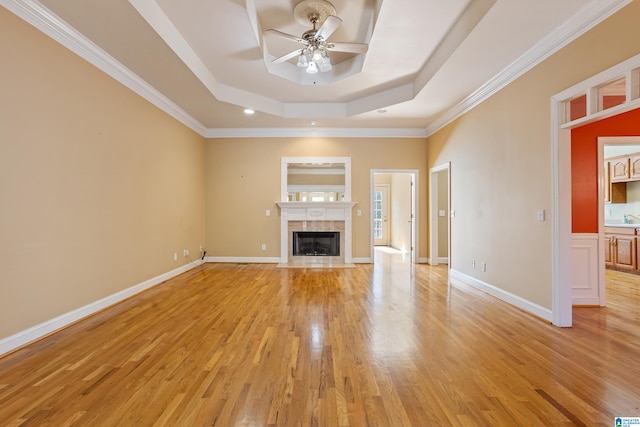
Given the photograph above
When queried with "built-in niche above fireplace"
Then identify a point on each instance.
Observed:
(315, 201)
(315, 179)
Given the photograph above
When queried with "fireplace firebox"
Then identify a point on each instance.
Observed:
(316, 243)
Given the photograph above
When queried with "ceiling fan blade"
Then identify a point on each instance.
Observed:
(286, 36)
(347, 47)
(286, 57)
(328, 27)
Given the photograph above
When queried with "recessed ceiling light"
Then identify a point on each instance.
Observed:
(249, 111)
(382, 111)
(313, 123)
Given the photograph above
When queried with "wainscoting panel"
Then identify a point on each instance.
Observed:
(584, 269)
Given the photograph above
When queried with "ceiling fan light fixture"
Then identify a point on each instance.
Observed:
(314, 56)
(317, 56)
(326, 64)
(302, 60)
(312, 68)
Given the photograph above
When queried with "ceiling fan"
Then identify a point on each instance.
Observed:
(314, 56)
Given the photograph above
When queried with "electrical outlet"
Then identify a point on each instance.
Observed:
(185, 252)
(268, 212)
(264, 246)
(473, 263)
(484, 266)
(175, 256)
(201, 248)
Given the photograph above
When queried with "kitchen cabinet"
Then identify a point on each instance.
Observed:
(615, 192)
(608, 250)
(619, 168)
(621, 245)
(634, 167)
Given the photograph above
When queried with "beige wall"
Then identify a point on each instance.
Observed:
(500, 155)
(97, 187)
(243, 180)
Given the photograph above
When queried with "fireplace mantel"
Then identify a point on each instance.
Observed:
(310, 212)
(338, 205)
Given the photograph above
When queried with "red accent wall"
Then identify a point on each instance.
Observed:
(584, 166)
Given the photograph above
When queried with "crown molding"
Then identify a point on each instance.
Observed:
(587, 18)
(50, 24)
(315, 132)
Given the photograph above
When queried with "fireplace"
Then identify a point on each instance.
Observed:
(317, 223)
(316, 243)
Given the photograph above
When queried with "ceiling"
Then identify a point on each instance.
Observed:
(205, 61)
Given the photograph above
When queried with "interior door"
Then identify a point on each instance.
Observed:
(381, 215)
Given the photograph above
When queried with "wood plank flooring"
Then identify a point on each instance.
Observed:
(375, 345)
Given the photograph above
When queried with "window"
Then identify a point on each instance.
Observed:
(377, 214)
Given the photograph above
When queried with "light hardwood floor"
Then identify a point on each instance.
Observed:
(376, 345)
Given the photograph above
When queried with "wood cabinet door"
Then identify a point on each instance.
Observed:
(608, 250)
(620, 169)
(634, 167)
(625, 256)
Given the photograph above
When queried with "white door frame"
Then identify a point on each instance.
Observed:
(561, 264)
(434, 214)
(414, 202)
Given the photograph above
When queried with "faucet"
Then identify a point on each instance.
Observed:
(626, 218)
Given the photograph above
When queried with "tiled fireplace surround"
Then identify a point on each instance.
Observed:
(315, 216)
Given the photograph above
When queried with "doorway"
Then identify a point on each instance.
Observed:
(439, 215)
(398, 189)
(612, 212)
(562, 125)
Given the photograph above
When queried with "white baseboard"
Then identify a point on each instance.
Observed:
(45, 328)
(460, 279)
(441, 260)
(267, 260)
(591, 302)
(243, 260)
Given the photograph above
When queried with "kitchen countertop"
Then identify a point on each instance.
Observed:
(622, 225)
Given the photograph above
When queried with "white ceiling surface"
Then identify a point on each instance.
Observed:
(426, 58)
